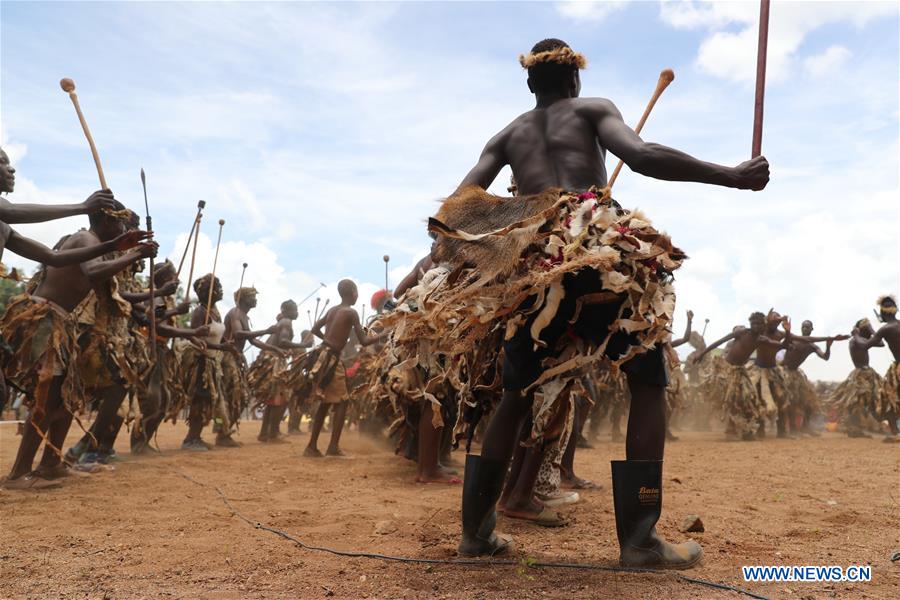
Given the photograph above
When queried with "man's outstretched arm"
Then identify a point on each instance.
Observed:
(38, 252)
(38, 213)
(716, 344)
(362, 336)
(662, 162)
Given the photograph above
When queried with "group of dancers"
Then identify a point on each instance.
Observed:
(527, 311)
(86, 334)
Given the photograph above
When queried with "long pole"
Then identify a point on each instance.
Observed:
(190, 281)
(241, 285)
(152, 283)
(195, 226)
(212, 281)
(760, 78)
(311, 294)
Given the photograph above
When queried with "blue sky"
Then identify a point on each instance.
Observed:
(325, 133)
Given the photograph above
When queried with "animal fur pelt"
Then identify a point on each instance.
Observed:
(493, 253)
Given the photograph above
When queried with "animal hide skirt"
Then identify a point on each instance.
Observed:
(568, 279)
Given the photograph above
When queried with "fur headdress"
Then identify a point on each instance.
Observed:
(561, 56)
(244, 291)
(125, 215)
(162, 266)
(890, 309)
(203, 282)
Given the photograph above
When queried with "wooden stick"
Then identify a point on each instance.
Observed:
(311, 294)
(666, 77)
(241, 285)
(756, 148)
(152, 286)
(321, 314)
(69, 86)
(195, 226)
(190, 282)
(212, 280)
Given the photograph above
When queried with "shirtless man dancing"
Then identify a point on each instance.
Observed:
(268, 374)
(234, 365)
(801, 394)
(769, 379)
(744, 410)
(859, 394)
(562, 143)
(889, 398)
(328, 374)
(41, 329)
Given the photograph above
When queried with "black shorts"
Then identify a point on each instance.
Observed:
(522, 363)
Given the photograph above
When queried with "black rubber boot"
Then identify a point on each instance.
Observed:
(637, 497)
(482, 485)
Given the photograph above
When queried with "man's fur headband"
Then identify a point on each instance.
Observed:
(244, 292)
(890, 309)
(125, 215)
(561, 56)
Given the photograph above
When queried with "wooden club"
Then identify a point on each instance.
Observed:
(68, 86)
(666, 77)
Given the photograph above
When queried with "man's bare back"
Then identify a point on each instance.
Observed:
(859, 350)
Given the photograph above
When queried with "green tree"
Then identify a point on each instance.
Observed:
(9, 289)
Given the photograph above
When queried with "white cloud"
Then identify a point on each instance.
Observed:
(586, 10)
(15, 151)
(731, 54)
(822, 64)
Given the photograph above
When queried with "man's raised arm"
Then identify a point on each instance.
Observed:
(662, 162)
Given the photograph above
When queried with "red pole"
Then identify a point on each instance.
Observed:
(760, 77)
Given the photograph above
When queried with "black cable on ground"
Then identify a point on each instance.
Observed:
(462, 561)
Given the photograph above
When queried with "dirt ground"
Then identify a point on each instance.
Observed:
(143, 530)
